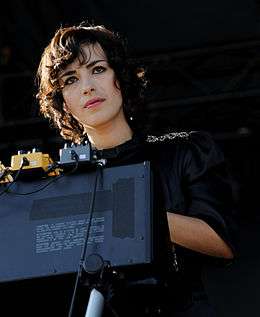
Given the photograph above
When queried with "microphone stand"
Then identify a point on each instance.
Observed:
(99, 277)
(94, 265)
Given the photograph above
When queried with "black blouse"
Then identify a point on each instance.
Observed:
(192, 177)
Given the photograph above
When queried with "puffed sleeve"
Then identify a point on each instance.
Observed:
(207, 186)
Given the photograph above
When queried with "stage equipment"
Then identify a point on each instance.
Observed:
(83, 152)
(38, 163)
(5, 174)
(111, 234)
(45, 230)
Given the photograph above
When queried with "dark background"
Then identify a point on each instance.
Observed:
(203, 65)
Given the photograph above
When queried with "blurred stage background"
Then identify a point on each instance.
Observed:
(203, 65)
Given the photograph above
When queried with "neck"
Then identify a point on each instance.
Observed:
(109, 135)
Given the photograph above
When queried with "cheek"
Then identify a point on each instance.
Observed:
(69, 99)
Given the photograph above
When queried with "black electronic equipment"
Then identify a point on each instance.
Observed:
(68, 152)
(42, 234)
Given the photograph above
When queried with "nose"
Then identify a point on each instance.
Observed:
(88, 91)
(87, 86)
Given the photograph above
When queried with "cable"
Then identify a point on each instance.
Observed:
(24, 163)
(4, 173)
(84, 248)
(74, 156)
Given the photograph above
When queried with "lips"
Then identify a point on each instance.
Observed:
(93, 102)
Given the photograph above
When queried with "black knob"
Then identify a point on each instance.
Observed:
(93, 264)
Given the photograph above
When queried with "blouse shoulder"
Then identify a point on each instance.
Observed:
(195, 151)
(201, 141)
(202, 153)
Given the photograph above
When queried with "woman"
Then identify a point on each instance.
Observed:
(89, 89)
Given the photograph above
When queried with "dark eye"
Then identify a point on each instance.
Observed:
(98, 69)
(70, 80)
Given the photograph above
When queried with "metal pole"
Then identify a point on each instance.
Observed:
(95, 304)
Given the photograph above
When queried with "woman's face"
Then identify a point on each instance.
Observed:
(90, 90)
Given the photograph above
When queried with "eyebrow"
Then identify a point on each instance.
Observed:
(71, 72)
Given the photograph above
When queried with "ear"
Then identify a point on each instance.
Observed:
(117, 84)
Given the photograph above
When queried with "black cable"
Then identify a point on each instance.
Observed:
(84, 248)
(4, 173)
(24, 163)
(74, 156)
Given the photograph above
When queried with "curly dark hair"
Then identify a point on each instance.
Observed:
(64, 48)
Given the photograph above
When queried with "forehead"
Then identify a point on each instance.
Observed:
(88, 53)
